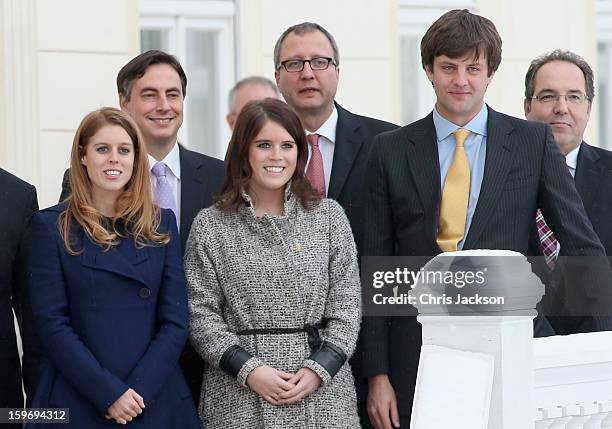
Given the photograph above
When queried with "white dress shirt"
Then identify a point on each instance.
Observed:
(571, 159)
(173, 174)
(327, 140)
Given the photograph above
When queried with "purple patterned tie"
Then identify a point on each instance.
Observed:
(163, 190)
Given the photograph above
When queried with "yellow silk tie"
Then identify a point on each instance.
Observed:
(455, 197)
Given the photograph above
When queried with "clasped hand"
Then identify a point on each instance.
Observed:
(280, 388)
(124, 409)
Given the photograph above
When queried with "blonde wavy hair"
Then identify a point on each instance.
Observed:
(135, 212)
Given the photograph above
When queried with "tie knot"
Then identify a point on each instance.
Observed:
(313, 139)
(460, 135)
(159, 169)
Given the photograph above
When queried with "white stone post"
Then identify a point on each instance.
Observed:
(504, 330)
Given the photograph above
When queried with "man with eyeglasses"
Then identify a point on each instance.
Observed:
(559, 91)
(306, 61)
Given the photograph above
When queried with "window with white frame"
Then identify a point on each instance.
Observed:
(417, 95)
(200, 33)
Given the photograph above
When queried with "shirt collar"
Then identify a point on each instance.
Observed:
(571, 159)
(172, 161)
(444, 127)
(328, 129)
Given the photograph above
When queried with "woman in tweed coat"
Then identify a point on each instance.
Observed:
(273, 286)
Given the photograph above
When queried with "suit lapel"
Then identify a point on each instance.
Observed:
(346, 147)
(588, 176)
(498, 161)
(422, 157)
(194, 181)
(119, 260)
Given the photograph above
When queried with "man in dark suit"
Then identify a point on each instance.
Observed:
(152, 89)
(17, 205)
(559, 91)
(464, 177)
(306, 61)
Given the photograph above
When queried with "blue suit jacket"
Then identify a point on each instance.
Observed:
(108, 321)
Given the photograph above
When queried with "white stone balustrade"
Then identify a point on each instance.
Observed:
(573, 380)
(547, 383)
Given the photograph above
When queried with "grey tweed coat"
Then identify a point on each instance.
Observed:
(245, 272)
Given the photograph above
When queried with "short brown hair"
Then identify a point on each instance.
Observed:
(460, 32)
(250, 122)
(138, 66)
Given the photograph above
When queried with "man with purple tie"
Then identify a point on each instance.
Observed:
(152, 89)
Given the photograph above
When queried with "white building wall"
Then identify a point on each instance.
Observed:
(530, 28)
(367, 36)
(75, 49)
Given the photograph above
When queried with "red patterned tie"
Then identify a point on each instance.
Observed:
(548, 242)
(315, 172)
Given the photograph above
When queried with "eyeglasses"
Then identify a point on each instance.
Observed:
(295, 66)
(573, 98)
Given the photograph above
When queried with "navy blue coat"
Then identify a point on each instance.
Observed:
(109, 321)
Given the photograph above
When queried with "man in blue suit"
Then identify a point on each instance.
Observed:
(152, 89)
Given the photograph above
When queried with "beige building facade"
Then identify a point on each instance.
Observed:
(59, 60)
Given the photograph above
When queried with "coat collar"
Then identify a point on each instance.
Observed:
(588, 174)
(498, 161)
(423, 151)
(194, 180)
(289, 207)
(121, 259)
(347, 145)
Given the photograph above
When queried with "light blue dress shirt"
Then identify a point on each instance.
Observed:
(475, 149)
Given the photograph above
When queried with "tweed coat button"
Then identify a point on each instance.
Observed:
(298, 247)
(144, 292)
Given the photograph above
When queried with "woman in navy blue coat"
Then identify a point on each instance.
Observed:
(108, 289)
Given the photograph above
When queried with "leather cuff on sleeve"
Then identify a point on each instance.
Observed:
(233, 360)
(329, 357)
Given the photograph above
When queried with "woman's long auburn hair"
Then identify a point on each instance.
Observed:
(135, 212)
(251, 120)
